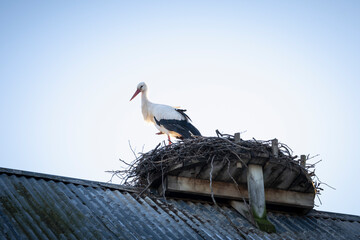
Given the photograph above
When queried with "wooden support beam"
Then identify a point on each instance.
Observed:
(255, 182)
(244, 209)
(275, 147)
(231, 191)
(303, 160)
(237, 137)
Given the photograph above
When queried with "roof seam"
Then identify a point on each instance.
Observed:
(62, 179)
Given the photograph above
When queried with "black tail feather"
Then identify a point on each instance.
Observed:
(182, 112)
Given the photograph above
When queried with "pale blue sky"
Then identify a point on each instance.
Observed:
(273, 68)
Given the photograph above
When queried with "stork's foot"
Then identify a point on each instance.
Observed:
(159, 133)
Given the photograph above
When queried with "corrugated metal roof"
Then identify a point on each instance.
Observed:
(38, 206)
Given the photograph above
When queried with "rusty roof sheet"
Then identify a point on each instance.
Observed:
(40, 206)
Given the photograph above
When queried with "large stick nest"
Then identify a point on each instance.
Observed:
(162, 158)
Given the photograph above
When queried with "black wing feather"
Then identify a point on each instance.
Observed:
(182, 127)
(193, 129)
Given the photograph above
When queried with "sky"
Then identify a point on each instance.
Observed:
(270, 69)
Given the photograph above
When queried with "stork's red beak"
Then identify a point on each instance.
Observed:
(135, 94)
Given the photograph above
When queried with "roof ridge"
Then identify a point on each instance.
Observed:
(76, 181)
(333, 215)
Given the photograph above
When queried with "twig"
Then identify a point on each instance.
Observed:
(324, 183)
(162, 184)
(211, 188)
(238, 188)
(308, 157)
(133, 150)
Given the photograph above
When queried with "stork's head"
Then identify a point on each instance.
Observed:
(141, 87)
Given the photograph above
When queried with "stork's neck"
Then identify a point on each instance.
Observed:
(144, 98)
(146, 106)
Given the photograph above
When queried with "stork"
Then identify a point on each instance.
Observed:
(168, 120)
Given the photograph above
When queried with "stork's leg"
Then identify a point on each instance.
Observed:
(159, 133)
(170, 142)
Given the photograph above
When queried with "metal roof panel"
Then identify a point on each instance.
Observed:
(40, 206)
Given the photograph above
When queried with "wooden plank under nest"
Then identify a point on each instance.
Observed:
(230, 169)
(217, 167)
(286, 177)
(185, 185)
(272, 171)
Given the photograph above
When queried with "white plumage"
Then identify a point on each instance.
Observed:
(168, 120)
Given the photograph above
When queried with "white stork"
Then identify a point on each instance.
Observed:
(168, 120)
